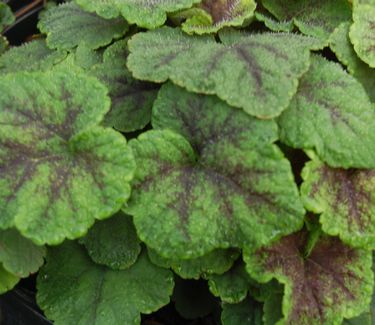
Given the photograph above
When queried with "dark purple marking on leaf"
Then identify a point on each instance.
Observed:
(221, 11)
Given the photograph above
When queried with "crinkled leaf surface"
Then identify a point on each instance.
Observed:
(215, 262)
(144, 13)
(256, 72)
(84, 27)
(210, 16)
(316, 18)
(332, 113)
(362, 32)
(53, 152)
(190, 198)
(346, 200)
(247, 312)
(113, 242)
(74, 290)
(333, 281)
(31, 56)
(7, 280)
(341, 45)
(19, 255)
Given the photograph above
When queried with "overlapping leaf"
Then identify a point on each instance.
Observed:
(144, 13)
(72, 289)
(324, 282)
(332, 113)
(84, 27)
(53, 152)
(247, 312)
(7, 280)
(256, 72)
(190, 198)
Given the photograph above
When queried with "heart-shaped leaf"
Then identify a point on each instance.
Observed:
(53, 151)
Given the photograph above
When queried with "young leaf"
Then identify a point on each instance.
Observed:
(19, 255)
(31, 56)
(322, 286)
(6, 16)
(256, 72)
(332, 113)
(84, 27)
(7, 280)
(340, 44)
(144, 13)
(316, 18)
(211, 15)
(345, 199)
(113, 242)
(72, 289)
(53, 152)
(247, 312)
(216, 262)
(362, 32)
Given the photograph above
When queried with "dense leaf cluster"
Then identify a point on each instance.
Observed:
(146, 144)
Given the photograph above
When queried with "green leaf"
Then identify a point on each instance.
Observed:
(53, 151)
(316, 18)
(272, 24)
(3, 45)
(247, 312)
(340, 44)
(332, 282)
(362, 30)
(6, 16)
(19, 255)
(113, 242)
(7, 280)
(338, 123)
(144, 13)
(215, 262)
(211, 15)
(31, 56)
(256, 72)
(72, 289)
(84, 27)
(272, 293)
(345, 200)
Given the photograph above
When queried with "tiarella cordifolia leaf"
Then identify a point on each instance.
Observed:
(6, 16)
(190, 198)
(113, 242)
(86, 58)
(247, 312)
(19, 255)
(210, 16)
(340, 44)
(316, 18)
(84, 27)
(31, 56)
(72, 289)
(362, 32)
(144, 13)
(256, 72)
(345, 199)
(7, 280)
(332, 113)
(324, 282)
(215, 262)
(53, 152)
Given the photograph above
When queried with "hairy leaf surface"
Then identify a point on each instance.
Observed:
(332, 113)
(256, 72)
(94, 294)
(53, 152)
(84, 27)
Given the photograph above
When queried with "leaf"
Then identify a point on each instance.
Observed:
(322, 286)
(6, 16)
(144, 13)
(19, 255)
(272, 24)
(340, 44)
(363, 29)
(262, 64)
(94, 294)
(190, 198)
(52, 150)
(7, 280)
(31, 56)
(247, 312)
(84, 27)
(3, 45)
(215, 262)
(338, 123)
(210, 16)
(316, 18)
(272, 308)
